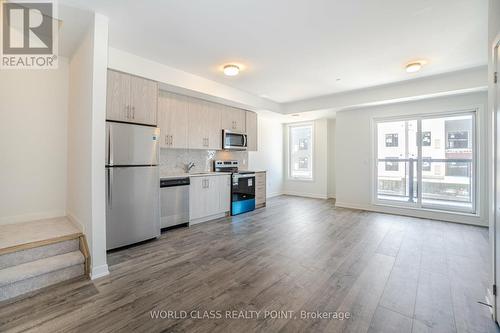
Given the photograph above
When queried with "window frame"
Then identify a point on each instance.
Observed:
(476, 162)
(289, 151)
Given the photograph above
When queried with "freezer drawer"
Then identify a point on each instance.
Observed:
(131, 144)
(132, 205)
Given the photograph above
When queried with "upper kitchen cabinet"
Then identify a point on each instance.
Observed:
(143, 100)
(204, 123)
(118, 96)
(173, 120)
(131, 99)
(233, 119)
(251, 130)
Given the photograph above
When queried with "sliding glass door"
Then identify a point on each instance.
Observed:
(427, 162)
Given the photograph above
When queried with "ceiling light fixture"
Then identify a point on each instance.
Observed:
(231, 70)
(415, 66)
(296, 115)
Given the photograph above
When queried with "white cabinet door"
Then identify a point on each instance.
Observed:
(233, 119)
(213, 198)
(118, 97)
(144, 100)
(214, 127)
(198, 138)
(173, 120)
(225, 193)
(197, 198)
(251, 130)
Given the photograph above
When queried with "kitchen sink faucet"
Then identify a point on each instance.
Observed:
(190, 166)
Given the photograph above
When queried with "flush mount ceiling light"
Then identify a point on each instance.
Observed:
(231, 70)
(414, 66)
(296, 115)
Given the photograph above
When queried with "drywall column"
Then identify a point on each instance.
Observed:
(100, 65)
(269, 156)
(493, 39)
(86, 140)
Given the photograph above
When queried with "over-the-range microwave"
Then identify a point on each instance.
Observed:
(234, 140)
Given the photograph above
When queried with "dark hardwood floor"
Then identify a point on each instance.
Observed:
(390, 273)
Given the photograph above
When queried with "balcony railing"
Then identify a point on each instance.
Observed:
(444, 181)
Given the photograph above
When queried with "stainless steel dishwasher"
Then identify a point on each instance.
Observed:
(174, 199)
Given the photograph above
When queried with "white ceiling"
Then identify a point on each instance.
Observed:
(297, 49)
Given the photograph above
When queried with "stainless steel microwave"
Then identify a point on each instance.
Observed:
(234, 140)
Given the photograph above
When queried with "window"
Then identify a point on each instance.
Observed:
(458, 140)
(426, 162)
(426, 139)
(300, 151)
(392, 165)
(391, 140)
(426, 173)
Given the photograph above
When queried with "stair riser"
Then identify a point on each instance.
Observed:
(41, 281)
(24, 256)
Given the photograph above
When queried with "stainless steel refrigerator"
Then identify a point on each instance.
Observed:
(132, 184)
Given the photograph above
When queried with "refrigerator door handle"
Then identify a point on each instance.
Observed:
(110, 162)
(110, 187)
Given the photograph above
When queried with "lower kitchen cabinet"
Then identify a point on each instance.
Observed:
(209, 197)
(260, 189)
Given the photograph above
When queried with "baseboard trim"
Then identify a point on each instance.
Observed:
(272, 195)
(208, 218)
(438, 216)
(32, 217)
(99, 271)
(305, 195)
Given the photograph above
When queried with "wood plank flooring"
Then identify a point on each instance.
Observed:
(299, 256)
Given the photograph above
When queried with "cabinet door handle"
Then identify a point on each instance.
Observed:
(171, 140)
(208, 142)
(133, 112)
(127, 110)
(166, 140)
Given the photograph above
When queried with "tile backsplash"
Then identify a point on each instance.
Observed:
(174, 161)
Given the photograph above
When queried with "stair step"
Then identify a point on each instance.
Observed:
(37, 253)
(21, 236)
(18, 280)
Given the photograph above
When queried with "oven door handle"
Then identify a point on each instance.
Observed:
(244, 176)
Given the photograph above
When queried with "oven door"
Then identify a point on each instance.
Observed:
(242, 193)
(234, 140)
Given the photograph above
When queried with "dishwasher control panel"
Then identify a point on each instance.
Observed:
(174, 182)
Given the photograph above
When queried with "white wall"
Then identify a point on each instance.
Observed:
(79, 207)
(33, 126)
(318, 187)
(269, 156)
(331, 158)
(86, 141)
(354, 149)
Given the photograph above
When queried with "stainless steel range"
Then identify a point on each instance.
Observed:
(242, 186)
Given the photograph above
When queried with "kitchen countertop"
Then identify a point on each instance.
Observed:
(195, 174)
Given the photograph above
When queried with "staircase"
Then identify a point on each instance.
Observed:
(38, 254)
